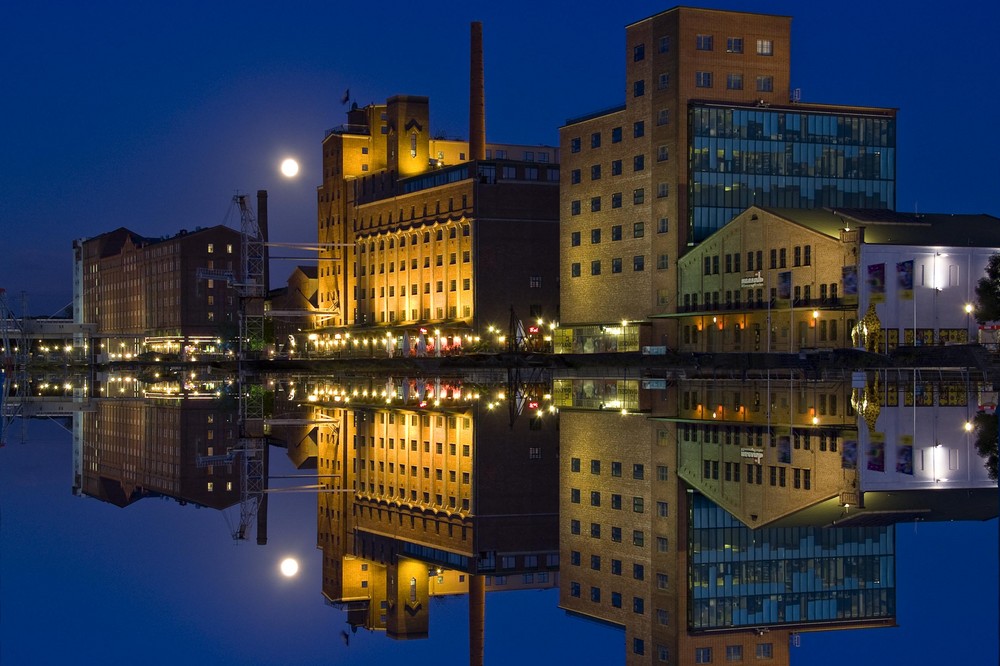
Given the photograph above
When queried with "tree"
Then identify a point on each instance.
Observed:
(988, 292)
(986, 440)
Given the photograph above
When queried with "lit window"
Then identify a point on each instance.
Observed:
(211, 248)
(765, 47)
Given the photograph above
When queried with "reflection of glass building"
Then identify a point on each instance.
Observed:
(802, 156)
(786, 576)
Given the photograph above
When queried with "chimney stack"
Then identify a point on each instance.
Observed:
(477, 95)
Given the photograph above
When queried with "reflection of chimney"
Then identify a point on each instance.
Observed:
(477, 96)
(262, 225)
(477, 619)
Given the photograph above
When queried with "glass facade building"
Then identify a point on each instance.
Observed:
(741, 577)
(786, 158)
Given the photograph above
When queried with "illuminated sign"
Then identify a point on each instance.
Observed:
(756, 454)
(756, 280)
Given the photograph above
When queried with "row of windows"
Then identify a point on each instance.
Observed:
(414, 263)
(638, 164)
(638, 130)
(754, 435)
(638, 503)
(801, 478)
(415, 238)
(638, 469)
(638, 265)
(703, 655)
(438, 288)
(705, 79)
(638, 198)
(801, 256)
(765, 47)
(801, 295)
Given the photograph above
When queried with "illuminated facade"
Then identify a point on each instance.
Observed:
(144, 294)
(423, 236)
(706, 130)
(444, 500)
(785, 280)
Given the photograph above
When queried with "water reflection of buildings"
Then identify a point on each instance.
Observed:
(131, 445)
(661, 480)
(433, 494)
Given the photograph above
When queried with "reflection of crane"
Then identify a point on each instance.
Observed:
(13, 366)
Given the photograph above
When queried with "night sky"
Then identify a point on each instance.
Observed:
(152, 115)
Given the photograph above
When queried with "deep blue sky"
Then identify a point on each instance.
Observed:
(151, 115)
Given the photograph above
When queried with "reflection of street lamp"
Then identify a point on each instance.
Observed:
(968, 322)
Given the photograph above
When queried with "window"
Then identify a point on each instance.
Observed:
(662, 226)
(616, 599)
(664, 45)
(663, 81)
(765, 650)
(703, 655)
(595, 562)
(638, 88)
(807, 256)
(616, 469)
(595, 204)
(734, 45)
(662, 190)
(638, 129)
(616, 532)
(595, 467)
(616, 501)
(638, 52)
(595, 530)
(703, 42)
(595, 236)
(638, 538)
(638, 196)
(734, 82)
(734, 653)
(616, 232)
(765, 47)
(574, 207)
(638, 605)
(661, 262)
(574, 495)
(638, 645)
(638, 263)
(616, 168)
(783, 258)
(595, 594)
(703, 79)
(616, 200)
(574, 238)
(638, 471)
(765, 84)
(638, 163)
(595, 267)
(616, 135)
(574, 464)
(574, 145)
(616, 265)
(595, 172)
(595, 140)
(574, 526)
(574, 176)
(639, 229)
(575, 270)
(662, 117)
(662, 509)
(574, 589)
(662, 154)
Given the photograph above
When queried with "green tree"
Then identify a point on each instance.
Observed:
(986, 441)
(988, 293)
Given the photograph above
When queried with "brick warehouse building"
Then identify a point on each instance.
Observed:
(430, 233)
(706, 131)
(144, 294)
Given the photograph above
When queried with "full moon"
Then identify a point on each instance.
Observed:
(289, 168)
(289, 567)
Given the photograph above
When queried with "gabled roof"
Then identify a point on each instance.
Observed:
(886, 227)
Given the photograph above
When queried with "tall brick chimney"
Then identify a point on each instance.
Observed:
(477, 96)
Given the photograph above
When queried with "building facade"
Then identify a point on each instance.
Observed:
(146, 295)
(419, 235)
(707, 129)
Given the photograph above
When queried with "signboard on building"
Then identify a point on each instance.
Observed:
(756, 454)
